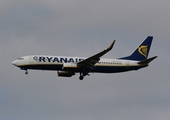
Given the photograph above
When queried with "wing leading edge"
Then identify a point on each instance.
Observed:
(91, 61)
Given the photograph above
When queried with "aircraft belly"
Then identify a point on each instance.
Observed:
(49, 67)
(43, 67)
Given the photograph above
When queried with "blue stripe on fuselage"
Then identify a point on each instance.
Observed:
(115, 69)
(99, 69)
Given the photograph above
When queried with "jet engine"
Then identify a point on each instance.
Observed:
(65, 73)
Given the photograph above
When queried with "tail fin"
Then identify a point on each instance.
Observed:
(141, 53)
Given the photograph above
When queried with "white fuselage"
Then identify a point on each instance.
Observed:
(68, 66)
(59, 63)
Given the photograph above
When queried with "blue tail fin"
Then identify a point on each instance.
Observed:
(141, 53)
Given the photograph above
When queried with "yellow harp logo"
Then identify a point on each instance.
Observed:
(143, 50)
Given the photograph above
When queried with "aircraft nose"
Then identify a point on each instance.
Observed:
(14, 62)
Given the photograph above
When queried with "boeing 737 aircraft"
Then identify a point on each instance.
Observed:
(68, 66)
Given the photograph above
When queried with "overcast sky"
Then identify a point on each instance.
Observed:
(84, 28)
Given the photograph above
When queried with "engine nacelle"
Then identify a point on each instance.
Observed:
(67, 66)
(65, 73)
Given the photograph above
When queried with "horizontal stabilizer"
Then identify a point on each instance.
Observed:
(147, 60)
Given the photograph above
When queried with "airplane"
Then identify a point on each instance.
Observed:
(69, 66)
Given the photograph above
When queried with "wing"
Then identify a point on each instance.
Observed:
(91, 61)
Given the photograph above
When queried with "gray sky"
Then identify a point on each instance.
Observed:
(83, 28)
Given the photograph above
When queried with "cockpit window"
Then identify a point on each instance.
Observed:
(20, 58)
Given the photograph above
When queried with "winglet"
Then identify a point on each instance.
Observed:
(111, 45)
